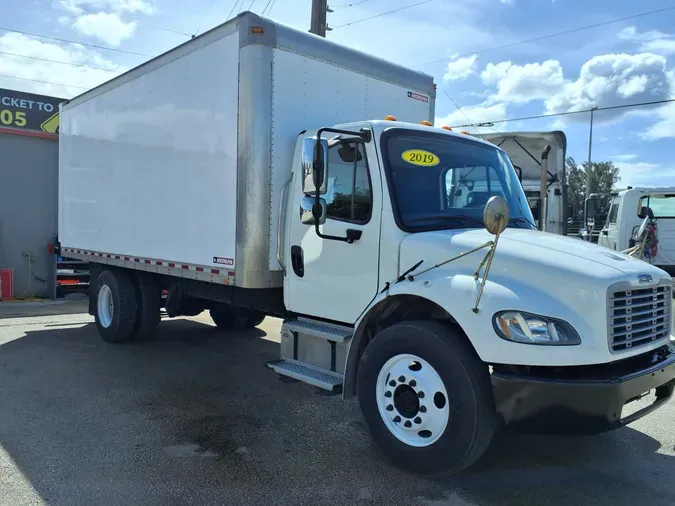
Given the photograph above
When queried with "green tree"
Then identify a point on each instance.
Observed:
(603, 176)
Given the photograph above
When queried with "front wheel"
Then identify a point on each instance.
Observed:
(426, 398)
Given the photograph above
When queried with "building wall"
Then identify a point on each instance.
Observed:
(28, 211)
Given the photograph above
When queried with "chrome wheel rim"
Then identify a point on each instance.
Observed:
(412, 400)
(105, 306)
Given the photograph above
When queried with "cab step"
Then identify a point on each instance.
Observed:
(311, 375)
(327, 331)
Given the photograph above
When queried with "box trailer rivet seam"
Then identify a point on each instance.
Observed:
(251, 173)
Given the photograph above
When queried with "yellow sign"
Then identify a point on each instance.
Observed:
(51, 124)
(420, 157)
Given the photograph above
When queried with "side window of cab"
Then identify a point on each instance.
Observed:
(349, 195)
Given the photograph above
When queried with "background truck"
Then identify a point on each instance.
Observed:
(240, 174)
(539, 159)
(623, 229)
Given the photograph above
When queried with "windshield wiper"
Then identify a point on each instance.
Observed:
(447, 217)
(521, 219)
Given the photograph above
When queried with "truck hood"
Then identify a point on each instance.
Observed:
(522, 250)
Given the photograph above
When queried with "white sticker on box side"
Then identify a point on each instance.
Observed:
(223, 261)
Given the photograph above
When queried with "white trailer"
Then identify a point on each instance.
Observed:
(240, 173)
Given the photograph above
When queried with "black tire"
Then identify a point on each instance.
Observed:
(255, 318)
(472, 418)
(149, 296)
(228, 318)
(125, 308)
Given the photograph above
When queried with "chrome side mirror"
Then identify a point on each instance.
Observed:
(314, 165)
(312, 212)
(496, 215)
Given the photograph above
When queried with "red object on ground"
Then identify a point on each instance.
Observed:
(6, 284)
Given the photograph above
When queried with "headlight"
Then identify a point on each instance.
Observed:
(521, 327)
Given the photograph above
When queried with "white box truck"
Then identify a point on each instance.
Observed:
(240, 173)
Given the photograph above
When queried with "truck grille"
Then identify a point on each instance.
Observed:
(639, 316)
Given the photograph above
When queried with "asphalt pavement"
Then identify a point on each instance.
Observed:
(193, 417)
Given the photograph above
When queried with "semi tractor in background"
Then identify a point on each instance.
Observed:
(258, 170)
(539, 159)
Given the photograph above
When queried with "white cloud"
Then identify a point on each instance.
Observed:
(652, 41)
(476, 114)
(523, 83)
(664, 128)
(118, 6)
(32, 70)
(635, 167)
(613, 79)
(624, 158)
(461, 68)
(106, 27)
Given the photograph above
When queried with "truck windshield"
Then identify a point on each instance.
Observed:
(439, 181)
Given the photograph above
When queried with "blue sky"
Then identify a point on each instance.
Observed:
(618, 63)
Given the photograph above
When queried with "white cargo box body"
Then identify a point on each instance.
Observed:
(177, 166)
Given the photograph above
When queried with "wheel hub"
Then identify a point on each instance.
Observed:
(406, 401)
(105, 306)
(412, 400)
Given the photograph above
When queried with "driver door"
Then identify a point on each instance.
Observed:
(328, 278)
(609, 235)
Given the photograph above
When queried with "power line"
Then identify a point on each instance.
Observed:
(344, 6)
(536, 39)
(459, 108)
(44, 82)
(74, 42)
(234, 7)
(251, 5)
(266, 6)
(269, 11)
(567, 113)
(57, 61)
(206, 15)
(383, 14)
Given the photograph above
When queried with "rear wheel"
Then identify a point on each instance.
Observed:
(116, 306)
(426, 398)
(149, 296)
(228, 318)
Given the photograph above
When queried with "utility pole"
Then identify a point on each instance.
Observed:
(589, 167)
(320, 10)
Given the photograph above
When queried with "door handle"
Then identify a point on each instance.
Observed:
(353, 235)
(297, 261)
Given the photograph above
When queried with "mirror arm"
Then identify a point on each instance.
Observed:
(364, 135)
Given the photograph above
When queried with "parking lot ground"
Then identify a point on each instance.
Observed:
(193, 417)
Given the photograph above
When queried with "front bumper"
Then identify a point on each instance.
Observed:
(582, 399)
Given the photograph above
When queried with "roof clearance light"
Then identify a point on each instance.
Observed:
(426, 123)
(465, 132)
(389, 117)
(446, 127)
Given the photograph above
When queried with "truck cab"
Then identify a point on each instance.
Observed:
(627, 212)
(412, 262)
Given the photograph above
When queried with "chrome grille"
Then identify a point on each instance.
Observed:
(639, 316)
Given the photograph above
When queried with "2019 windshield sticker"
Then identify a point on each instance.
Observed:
(420, 157)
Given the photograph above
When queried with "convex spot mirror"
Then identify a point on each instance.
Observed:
(496, 215)
(646, 212)
(314, 165)
(312, 212)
